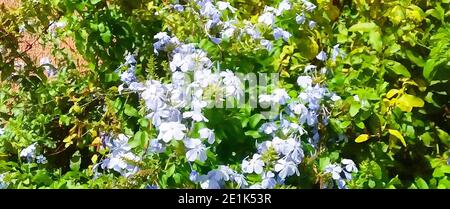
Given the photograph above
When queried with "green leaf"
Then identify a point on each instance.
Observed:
(244, 121)
(64, 119)
(131, 111)
(170, 171)
(397, 68)
(345, 124)
(42, 177)
(421, 184)
(139, 139)
(143, 122)
(323, 162)
(177, 178)
(254, 120)
(415, 58)
(427, 139)
(375, 40)
(75, 161)
(111, 77)
(95, 1)
(252, 133)
(443, 136)
(360, 125)
(106, 36)
(354, 108)
(429, 70)
(372, 184)
(441, 171)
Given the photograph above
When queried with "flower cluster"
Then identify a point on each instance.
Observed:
(173, 108)
(120, 157)
(221, 23)
(30, 154)
(340, 173)
(217, 178)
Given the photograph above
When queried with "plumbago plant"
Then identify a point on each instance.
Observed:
(226, 94)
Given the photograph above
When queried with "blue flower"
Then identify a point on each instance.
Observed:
(334, 170)
(169, 131)
(215, 39)
(280, 96)
(267, 18)
(194, 176)
(240, 180)
(335, 52)
(228, 30)
(264, 147)
(128, 76)
(156, 146)
(283, 6)
(225, 5)
(178, 7)
(3, 185)
(41, 159)
(2, 131)
(286, 168)
(266, 44)
(280, 33)
(309, 6)
(215, 178)
(253, 165)
(29, 152)
(268, 128)
(349, 168)
(49, 68)
(164, 42)
(304, 81)
(208, 134)
(196, 150)
(341, 184)
(151, 186)
(300, 19)
(268, 180)
(208, 9)
(295, 152)
(322, 56)
(312, 24)
(130, 60)
(252, 32)
(207, 183)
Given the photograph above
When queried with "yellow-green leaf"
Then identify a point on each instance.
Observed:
(363, 27)
(397, 135)
(415, 13)
(391, 93)
(407, 101)
(362, 138)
